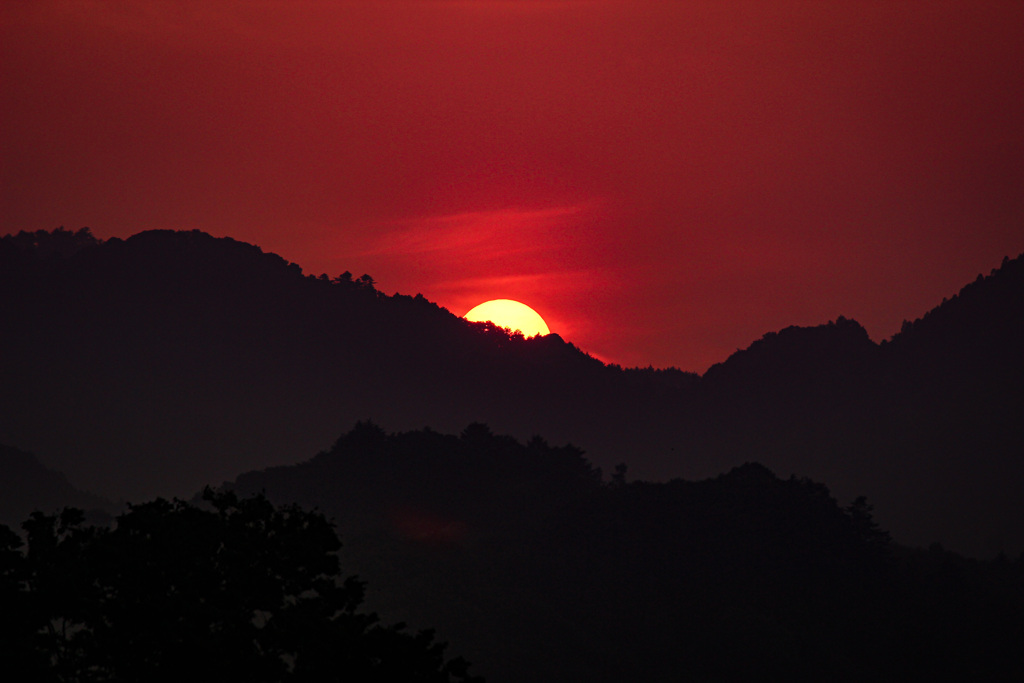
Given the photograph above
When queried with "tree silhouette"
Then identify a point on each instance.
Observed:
(238, 589)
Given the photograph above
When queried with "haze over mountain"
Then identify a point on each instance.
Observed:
(26, 486)
(159, 363)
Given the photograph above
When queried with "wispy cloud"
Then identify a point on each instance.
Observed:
(565, 281)
(481, 234)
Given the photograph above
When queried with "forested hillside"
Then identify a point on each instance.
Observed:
(534, 568)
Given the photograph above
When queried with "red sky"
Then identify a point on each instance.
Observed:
(663, 181)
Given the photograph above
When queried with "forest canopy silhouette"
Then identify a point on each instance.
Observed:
(237, 589)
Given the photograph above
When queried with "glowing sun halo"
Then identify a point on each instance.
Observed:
(510, 314)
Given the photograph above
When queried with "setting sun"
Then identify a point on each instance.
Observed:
(511, 315)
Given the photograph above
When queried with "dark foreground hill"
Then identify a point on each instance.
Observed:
(535, 569)
(156, 364)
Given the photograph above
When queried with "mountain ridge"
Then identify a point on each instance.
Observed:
(159, 363)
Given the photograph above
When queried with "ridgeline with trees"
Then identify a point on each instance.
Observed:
(537, 568)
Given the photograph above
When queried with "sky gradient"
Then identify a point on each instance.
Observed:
(662, 181)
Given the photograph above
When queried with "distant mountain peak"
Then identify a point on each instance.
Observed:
(838, 343)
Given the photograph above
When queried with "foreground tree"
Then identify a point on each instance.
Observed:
(242, 590)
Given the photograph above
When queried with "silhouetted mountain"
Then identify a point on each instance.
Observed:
(536, 570)
(26, 486)
(171, 359)
(950, 408)
(795, 353)
(795, 367)
(930, 424)
(159, 363)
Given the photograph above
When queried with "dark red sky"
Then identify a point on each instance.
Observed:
(663, 181)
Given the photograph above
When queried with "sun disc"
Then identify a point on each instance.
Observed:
(511, 315)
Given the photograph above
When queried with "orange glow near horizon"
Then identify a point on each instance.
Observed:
(511, 315)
